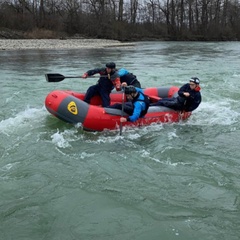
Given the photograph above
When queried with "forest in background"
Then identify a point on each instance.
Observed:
(124, 20)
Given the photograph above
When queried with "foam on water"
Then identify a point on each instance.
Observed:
(8, 166)
(27, 118)
(58, 139)
(63, 139)
(214, 113)
(84, 155)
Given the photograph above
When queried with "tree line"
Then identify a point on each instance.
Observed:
(126, 20)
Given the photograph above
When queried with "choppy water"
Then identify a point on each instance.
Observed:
(171, 181)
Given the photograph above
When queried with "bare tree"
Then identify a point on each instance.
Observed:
(175, 19)
(134, 8)
(120, 11)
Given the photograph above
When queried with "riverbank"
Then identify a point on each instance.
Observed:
(20, 44)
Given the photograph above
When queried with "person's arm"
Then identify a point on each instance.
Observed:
(116, 81)
(117, 84)
(195, 102)
(101, 71)
(136, 112)
(183, 90)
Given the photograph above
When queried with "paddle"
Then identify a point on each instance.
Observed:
(123, 97)
(56, 77)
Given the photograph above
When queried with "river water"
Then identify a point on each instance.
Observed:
(167, 181)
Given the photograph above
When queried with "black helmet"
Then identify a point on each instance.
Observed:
(194, 80)
(111, 65)
(130, 89)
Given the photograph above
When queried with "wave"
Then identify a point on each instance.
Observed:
(24, 119)
(215, 113)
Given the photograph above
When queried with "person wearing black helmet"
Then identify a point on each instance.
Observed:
(105, 84)
(188, 99)
(137, 105)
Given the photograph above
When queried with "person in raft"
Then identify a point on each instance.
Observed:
(137, 105)
(127, 78)
(188, 99)
(105, 84)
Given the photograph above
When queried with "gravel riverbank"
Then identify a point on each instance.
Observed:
(17, 44)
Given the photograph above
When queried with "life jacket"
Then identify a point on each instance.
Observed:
(105, 81)
(146, 100)
(128, 78)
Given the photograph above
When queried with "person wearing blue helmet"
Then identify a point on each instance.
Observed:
(188, 99)
(127, 78)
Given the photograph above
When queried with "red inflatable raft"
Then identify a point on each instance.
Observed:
(70, 107)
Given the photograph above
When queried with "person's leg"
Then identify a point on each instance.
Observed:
(91, 92)
(105, 96)
(166, 102)
(116, 106)
(127, 108)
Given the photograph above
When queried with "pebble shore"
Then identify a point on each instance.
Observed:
(18, 44)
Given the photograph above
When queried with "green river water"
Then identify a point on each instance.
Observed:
(162, 182)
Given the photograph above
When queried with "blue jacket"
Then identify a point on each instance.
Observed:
(141, 104)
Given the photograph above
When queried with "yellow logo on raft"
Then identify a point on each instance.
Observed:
(72, 107)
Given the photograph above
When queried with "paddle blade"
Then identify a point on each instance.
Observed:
(54, 77)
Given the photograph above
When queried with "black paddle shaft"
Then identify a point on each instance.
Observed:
(123, 98)
(56, 77)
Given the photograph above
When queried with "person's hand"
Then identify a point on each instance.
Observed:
(118, 88)
(123, 119)
(186, 94)
(85, 75)
(117, 84)
(124, 84)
